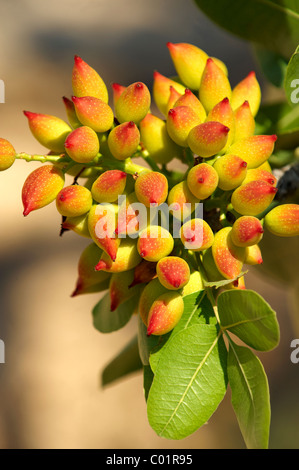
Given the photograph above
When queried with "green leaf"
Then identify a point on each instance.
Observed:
(273, 65)
(246, 314)
(250, 395)
(106, 321)
(277, 118)
(272, 23)
(197, 310)
(148, 378)
(291, 82)
(189, 383)
(126, 362)
(223, 282)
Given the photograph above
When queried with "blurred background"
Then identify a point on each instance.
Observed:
(50, 393)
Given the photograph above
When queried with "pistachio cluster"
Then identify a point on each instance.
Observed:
(199, 147)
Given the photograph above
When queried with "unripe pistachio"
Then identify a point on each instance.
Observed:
(246, 231)
(71, 112)
(87, 82)
(119, 288)
(123, 140)
(189, 62)
(82, 144)
(88, 278)
(255, 150)
(41, 188)
(151, 187)
(173, 272)
(202, 180)
(79, 225)
(73, 201)
(181, 200)
(109, 185)
(194, 284)
(161, 91)
(253, 255)
(101, 226)
(155, 139)
(253, 198)
(127, 258)
(258, 174)
(94, 113)
(117, 90)
(173, 97)
(214, 86)
(196, 235)
(228, 257)
(49, 131)
(7, 154)
(133, 104)
(222, 112)
(210, 268)
(248, 89)
(208, 139)
(149, 294)
(180, 121)
(244, 122)
(154, 243)
(283, 220)
(231, 171)
(144, 273)
(165, 313)
(189, 99)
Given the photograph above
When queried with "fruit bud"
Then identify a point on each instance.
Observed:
(82, 144)
(253, 255)
(214, 86)
(180, 121)
(189, 99)
(109, 185)
(149, 294)
(123, 140)
(41, 188)
(244, 122)
(73, 201)
(165, 313)
(173, 272)
(88, 278)
(154, 243)
(94, 113)
(127, 258)
(228, 257)
(173, 97)
(247, 231)
(208, 139)
(189, 62)
(144, 273)
(253, 198)
(255, 150)
(155, 139)
(49, 131)
(119, 288)
(71, 112)
(151, 187)
(283, 220)
(161, 91)
(101, 226)
(231, 171)
(202, 180)
(87, 82)
(79, 225)
(248, 89)
(133, 104)
(194, 284)
(196, 235)
(258, 174)
(223, 113)
(181, 200)
(117, 90)
(7, 154)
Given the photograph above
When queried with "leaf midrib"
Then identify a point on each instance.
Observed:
(275, 6)
(247, 320)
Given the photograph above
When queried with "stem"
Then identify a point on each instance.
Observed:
(42, 158)
(209, 290)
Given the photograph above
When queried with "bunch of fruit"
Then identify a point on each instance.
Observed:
(198, 148)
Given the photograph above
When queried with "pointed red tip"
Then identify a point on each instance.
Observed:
(142, 254)
(78, 60)
(200, 180)
(139, 86)
(77, 290)
(75, 98)
(171, 112)
(169, 45)
(272, 189)
(260, 230)
(113, 304)
(251, 74)
(210, 61)
(150, 330)
(29, 114)
(26, 211)
(246, 104)
(226, 129)
(274, 137)
(101, 265)
(156, 74)
(244, 164)
(131, 124)
(225, 100)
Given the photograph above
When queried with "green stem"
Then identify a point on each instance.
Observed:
(42, 158)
